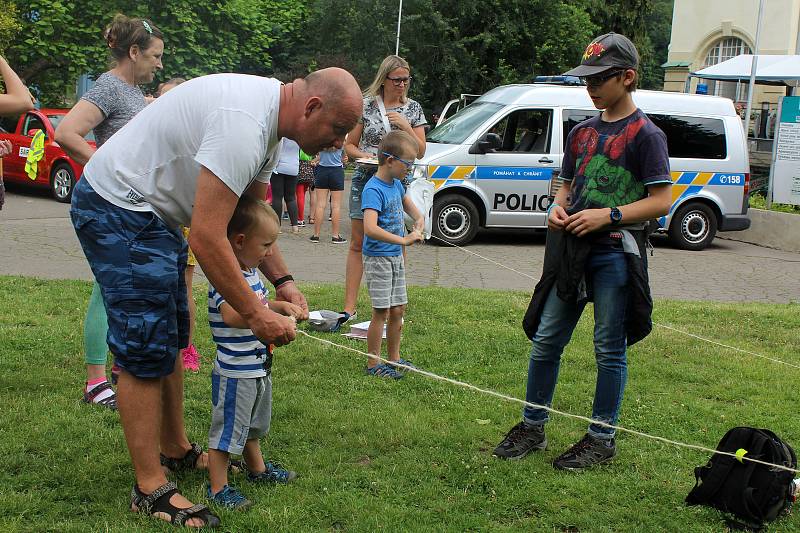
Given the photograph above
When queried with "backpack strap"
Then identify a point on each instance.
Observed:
(709, 480)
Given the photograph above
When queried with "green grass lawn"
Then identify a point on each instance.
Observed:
(413, 455)
(758, 201)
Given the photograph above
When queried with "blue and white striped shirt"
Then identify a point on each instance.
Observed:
(239, 353)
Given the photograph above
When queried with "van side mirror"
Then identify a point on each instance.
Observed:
(487, 144)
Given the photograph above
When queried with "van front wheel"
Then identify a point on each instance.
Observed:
(455, 219)
(693, 226)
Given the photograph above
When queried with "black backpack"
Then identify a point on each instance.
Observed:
(753, 492)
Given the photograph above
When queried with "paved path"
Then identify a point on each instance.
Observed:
(37, 239)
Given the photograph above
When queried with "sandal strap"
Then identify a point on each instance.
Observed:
(146, 502)
(187, 462)
(95, 392)
(197, 510)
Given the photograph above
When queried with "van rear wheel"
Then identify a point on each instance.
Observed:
(693, 226)
(455, 219)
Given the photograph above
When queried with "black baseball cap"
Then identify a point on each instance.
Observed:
(609, 51)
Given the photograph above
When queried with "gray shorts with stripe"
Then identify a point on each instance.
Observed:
(386, 281)
(242, 410)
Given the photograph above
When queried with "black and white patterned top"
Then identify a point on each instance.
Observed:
(374, 130)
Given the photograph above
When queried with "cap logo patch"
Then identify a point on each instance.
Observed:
(594, 50)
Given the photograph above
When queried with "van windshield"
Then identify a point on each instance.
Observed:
(456, 129)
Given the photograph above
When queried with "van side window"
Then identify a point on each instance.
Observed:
(525, 131)
(693, 137)
(573, 117)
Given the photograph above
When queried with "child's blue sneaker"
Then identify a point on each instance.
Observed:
(274, 473)
(382, 370)
(230, 498)
(406, 362)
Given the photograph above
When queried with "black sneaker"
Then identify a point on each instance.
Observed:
(338, 239)
(314, 238)
(520, 441)
(587, 452)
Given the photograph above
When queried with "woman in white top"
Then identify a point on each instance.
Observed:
(386, 107)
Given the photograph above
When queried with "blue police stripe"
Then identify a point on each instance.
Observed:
(513, 173)
(690, 191)
(729, 180)
(228, 366)
(229, 412)
(686, 178)
(442, 173)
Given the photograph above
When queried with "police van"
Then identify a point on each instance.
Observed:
(495, 163)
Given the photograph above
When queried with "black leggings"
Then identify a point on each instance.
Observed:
(284, 189)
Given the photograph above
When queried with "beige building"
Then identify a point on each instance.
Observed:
(706, 32)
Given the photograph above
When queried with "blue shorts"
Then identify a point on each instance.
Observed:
(139, 262)
(331, 178)
(360, 178)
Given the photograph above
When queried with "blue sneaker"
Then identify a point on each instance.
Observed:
(274, 473)
(229, 497)
(382, 370)
(406, 362)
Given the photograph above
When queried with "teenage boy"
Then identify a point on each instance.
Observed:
(383, 201)
(615, 179)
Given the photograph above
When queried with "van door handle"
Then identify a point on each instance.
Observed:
(545, 160)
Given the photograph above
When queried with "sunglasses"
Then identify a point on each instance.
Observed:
(600, 79)
(408, 164)
(399, 81)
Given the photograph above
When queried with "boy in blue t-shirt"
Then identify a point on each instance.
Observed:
(241, 382)
(383, 200)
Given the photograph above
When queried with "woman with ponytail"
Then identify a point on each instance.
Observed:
(136, 46)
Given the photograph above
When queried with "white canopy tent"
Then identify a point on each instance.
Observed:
(770, 70)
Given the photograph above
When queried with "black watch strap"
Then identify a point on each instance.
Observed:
(280, 281)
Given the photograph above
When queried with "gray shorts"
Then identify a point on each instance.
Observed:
(242, 409)
(386, 281)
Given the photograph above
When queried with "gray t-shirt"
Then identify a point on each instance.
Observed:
(374, 130)
(118, 101)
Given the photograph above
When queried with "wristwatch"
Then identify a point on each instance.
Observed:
(616, 216)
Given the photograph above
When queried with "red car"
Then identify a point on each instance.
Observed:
(57, 170)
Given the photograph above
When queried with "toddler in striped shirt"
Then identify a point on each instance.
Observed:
(241, 381)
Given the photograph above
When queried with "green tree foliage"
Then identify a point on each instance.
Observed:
(453, 46)
(9, 26)
(60, 40)
(647, 23)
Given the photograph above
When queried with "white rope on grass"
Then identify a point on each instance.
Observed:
(726, 346)
(505, 397)
(676, 330)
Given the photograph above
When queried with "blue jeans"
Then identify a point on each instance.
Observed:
(606, 277)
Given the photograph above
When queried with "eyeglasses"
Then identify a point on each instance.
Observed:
(408, 164)
(600, 79)
(400, 81)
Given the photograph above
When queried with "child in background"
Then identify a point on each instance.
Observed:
(305, 181)
(241, 382)
(382, 202)
(329, 178)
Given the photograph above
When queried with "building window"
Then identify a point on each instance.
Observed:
(725, 49)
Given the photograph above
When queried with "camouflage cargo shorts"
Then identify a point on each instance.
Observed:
(138, 261)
